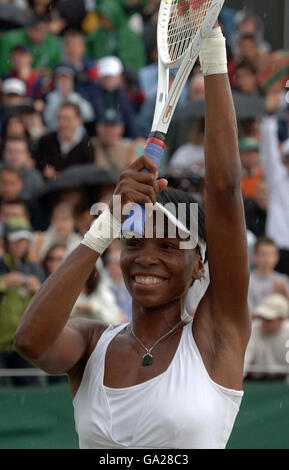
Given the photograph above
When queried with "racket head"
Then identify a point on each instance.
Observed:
(180, 22)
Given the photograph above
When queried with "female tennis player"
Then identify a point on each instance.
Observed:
(159, 382)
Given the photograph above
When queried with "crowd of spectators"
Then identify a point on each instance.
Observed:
(77, 95)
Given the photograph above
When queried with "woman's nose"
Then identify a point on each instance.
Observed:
(147, 258)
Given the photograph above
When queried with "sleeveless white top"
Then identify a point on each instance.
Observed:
(181, 408)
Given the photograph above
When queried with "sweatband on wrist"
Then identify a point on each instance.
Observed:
(102, 232)
(213, 53)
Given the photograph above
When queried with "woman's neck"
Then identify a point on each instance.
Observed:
(153, 322)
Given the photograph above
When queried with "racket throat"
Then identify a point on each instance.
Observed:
(159, 136)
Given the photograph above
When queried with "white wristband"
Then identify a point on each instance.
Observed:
(213, 54)
(102, 232)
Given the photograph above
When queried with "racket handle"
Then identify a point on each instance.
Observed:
(135, 223)
(155, 149)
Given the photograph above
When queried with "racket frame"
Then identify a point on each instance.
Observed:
(166, 102)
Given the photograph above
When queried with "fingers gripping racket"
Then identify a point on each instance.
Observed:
(182, 26)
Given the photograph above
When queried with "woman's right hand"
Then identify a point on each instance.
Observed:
(137, 186)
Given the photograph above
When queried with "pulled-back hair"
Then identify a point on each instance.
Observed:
(176, 196)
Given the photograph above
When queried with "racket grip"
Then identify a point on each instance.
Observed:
(135, 221)
(155, 149)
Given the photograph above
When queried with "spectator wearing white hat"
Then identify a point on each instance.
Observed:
(13, 96)
(110, 93)
(266, 352)
(109, 67)
(12, 88)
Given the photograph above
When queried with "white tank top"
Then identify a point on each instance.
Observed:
(181, 408)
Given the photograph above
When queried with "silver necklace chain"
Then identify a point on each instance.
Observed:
(149, 350)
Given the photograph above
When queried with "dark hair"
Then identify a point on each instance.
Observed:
(246, 64)
(17, 116)
(52, 248)
(73, 106)
(16, 138)
(264, 241)
(13, 202)
(72, 33)
(249, 37)
(45, 17)
(177, 196)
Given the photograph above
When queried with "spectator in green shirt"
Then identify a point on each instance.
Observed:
(19, 280)
(114, 37)
(46, 49)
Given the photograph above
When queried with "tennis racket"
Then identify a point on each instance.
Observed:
(182, 26)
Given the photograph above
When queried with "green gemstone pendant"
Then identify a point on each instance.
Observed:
(147, 359)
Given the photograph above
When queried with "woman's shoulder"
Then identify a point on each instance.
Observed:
(96, 333)
(91, 330)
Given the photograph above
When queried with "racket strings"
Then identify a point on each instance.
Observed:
(186, 18)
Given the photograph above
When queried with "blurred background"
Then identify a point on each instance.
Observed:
(77, 92)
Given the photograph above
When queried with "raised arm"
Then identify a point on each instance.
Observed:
(222, 325)
(224, 211)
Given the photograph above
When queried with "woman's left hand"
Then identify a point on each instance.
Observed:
(137, 186)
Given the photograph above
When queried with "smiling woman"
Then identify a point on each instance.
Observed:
(165, 380)
(139, 261)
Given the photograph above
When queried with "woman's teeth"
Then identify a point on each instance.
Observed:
(148, 280)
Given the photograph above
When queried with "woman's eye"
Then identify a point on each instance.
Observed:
(132, 243)
(169, 246)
